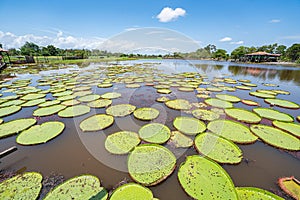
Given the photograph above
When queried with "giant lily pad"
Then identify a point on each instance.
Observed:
(32, 96)
(9, 110)
(61, 94)
(243, 115)
(227, 97)
(132, 191)
(202, 178)
(34, 102)
(180, 140)
(206, 115)
(189, 125)
(282, 103)
(49, 103)
(291, 186)
(96, 122)
(276, 137)
(292, 128)
(179, 104)
(262, 95)
(146, 113)
(251, 193)
(232, 130)
(273, 114)
(15, 102)
(15, 126)
(218, 103)
(218, 148)
(72, 102)
(24, 186)
(155, 133)
(74, 111)
(39, 134)
(81, 187)
(100, 103)
(249, 102)
(46, 111)
(111, 95)
(121, 142)
(120, 110)
(89, 98)
(150, 164)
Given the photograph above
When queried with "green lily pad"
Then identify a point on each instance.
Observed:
(104, 85)
(267, 92)
(34, 102)
(155, 133)
(218, 148)
(80, 93)
(251, 193)
(67, 97)
(273, 114)
(15, 102)
(23, 186)
(250, 102)
(39, 134)
(100, 103)
(132, 191)
(189, 125)
(218, 103)
(120, 110)
(1, 121)
(12, 97)
(186, 89)
(81, 187)
(298, 118)
(291, 186)
(122, 142)
(72, 102)
(49, 103)
(111, 95)
(89, 98)
(249, 84)
(134, 85)
(281, 92)
(15, 126)
(242, 87)
(180, 140)
(227, 97)
(179, 104)
(243, 115)
(150, 164)
(292, 128)
(206, 115)
(262, 95)
(146, 113)
(197, 170)
(232, 130)
(61, 94)
(282, 103)
(9, 110)
(96, 122)
(32, 96)
(164, 91)
(74, 111)
(276, 137)
(46, 111)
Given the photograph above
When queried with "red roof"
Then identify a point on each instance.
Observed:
(3, 50)
(262, 53)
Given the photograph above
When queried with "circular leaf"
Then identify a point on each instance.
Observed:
(74, 111)
(292, 128)
(189, 125)
(251, 193)
(46, 111)
(206, 115)
(100, 103)
(15, 126)
(120, 110)
(155, 133)
(111, 95)
(227, 97)
(89, 98)
(218, 103)
(243, 115)
(282, 103)
(33, 96)
(179, 104)
(9, 110)
(273, 114)
(146, 113)
(262, 95)
(121, 142)
(132, 191)
(180, 140)
(96, 122)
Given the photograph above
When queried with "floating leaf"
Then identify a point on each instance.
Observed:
(162, 99)
(89, 98)
(218, 148)
(202, 178)
(61, 94)
(15, 126)
(241, 87)
(146, 113)
(96, 122)
(232, 130)
(72, 102)
(49, 103)
(206, 115)
(179, 104)
(133, 85)
(23, 186)
(291, 186)
(186, 89)
(164, 91)
(243, 115)
(132, 191)
(33, 96)
(9, 110)
(218, 103)
(282, 103)
(150, 164)
(121, 142)
(100, 103)
(34, 102)
(66, 98)
(227, 97)
(80, 93)
(81, 187)
(251, 193)
(262, 95)
(281, 92)
(273, 114)
(180, 140)
(74, 111)
(292, 128)
(104, 85)
(120, 110)
(16, 102)
(250, 102)
(276, 137)
(46, 111)
(39, 134)
(111, 95)
(155, 133)
(189, 125)
(1, 121)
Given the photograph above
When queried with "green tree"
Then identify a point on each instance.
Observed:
(30, 49)
(14, 52)
(293, 52)
(1, 46)
(239, 52)
(220, 54)
(281, 50)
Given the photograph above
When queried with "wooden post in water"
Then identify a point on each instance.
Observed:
(8, 151)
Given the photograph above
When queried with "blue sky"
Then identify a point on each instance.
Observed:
(87, 23)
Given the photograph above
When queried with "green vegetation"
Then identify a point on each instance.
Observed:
(251, 193)
(121, 142)
(132, 191)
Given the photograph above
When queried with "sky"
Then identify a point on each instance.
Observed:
(97, 24)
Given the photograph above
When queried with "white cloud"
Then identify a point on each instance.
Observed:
(168, 14)
(225, 39)
(275, 21)
(238, 42)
